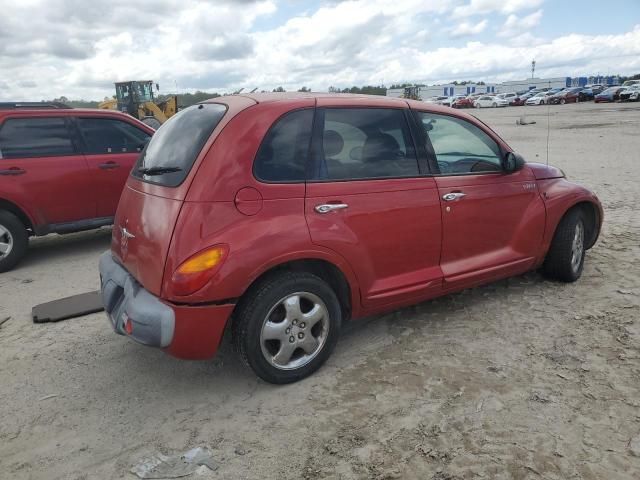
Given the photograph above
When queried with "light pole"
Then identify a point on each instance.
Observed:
(533, 68)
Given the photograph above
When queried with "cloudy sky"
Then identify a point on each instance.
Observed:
(78, 48)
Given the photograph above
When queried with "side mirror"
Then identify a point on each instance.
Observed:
(512, 162)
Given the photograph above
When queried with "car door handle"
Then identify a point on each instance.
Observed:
(450, 197)
(109, 165)
(330, 207)
(13, 171)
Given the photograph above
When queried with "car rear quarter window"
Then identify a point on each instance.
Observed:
(282, 156)
(364, 143)
(35, 137)
(169, 156)
(108, 135)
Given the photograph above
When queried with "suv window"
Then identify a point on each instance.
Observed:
(169, 156)
(359, 143)
(460, 147)
(35, 137)
(283, 154)
(107, 135)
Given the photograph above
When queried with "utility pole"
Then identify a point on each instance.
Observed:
(533, 68)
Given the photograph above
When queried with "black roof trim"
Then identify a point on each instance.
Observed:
(35, 105)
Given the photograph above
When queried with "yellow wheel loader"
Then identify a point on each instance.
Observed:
(136, 98)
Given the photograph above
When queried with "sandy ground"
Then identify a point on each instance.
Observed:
(520, 379)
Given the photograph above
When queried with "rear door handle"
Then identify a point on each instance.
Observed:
(13, 171)
(109, 165)
(330, 207)
(450, 197)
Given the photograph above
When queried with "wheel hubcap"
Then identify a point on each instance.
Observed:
(577, 246)
(6, 242)
(294, 331)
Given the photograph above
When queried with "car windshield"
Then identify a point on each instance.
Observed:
(169, 156)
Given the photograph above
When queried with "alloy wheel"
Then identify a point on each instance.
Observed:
(294, 331)
(6, 242)
(577, 246)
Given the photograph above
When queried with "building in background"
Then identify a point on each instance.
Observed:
(450, 89)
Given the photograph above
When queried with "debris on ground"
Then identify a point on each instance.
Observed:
(47, 397)
(6, 319)
(523, 121)
(175, 466)
(69, 307)
(634, 446)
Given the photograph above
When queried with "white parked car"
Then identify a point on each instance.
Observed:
(490, 101)
(630, 94)
(509, 97)
(538, 99)
(435, 100)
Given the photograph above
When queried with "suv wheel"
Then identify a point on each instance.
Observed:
(287, 326)
(565, 258)
(13, 240)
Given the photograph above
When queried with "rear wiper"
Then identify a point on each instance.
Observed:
(158, 170)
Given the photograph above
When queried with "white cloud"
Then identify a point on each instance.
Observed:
(515, 25)
(483, 7)
(466, 29)
(78, 52)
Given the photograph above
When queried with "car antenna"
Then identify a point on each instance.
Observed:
(548, 119)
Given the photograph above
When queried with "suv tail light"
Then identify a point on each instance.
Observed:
(198, 269)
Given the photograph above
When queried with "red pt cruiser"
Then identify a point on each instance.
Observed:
(280, 216)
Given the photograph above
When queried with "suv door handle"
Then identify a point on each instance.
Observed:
(13, 171)
(330, 207)
(109, 165)
(450, 197)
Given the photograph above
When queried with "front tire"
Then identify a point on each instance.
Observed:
(14, 241)
(565, 258)
(287, 326)
(495, 105)
(562, 101)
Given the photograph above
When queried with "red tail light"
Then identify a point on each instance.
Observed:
(198, 269)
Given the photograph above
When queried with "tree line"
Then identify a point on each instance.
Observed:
(188, 99)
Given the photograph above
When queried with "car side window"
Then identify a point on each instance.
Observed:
(282, 156)
(459, 146)
(107, 135)
(35, 137)
(364, 143)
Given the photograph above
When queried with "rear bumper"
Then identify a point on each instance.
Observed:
(189, 332)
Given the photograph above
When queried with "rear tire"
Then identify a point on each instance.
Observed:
(14, 240)
(565, 258)
(286, 327)
(494, 105)
(152, 122)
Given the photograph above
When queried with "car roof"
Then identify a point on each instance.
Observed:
(330, 99)
(60, 111)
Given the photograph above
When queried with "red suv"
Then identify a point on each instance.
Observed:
(280, 216)
(61, 170)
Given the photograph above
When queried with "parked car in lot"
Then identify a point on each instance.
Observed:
(541, 98)
(61, 170)
(285, 215)
(490, 101)
(509, 97)
(596, 88)
(611, 94)
(568, 95)
(521, 98)
(463, 102)
(630, 94)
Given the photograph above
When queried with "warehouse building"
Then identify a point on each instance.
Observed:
(450, 89)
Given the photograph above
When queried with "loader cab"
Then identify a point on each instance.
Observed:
(130, 95)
